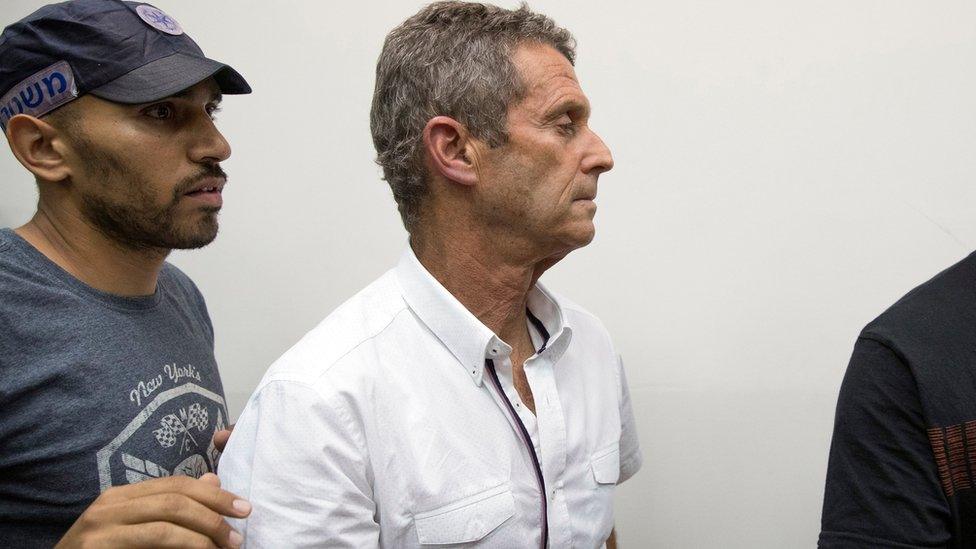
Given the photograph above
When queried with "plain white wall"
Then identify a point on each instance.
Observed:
(784, 171)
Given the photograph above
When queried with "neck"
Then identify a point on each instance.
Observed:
(488, 280)
(73, 244)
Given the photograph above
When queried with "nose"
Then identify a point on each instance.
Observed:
(209, 145)
(598, 158)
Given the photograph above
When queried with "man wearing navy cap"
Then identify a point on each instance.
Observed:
(109, 391)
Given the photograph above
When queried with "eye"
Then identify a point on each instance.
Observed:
(567, 126)
(160, 111)
(212, 110)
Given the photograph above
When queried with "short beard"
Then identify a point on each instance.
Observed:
(140, 224)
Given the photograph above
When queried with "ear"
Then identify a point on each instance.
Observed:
(448, 147)
(39, 146)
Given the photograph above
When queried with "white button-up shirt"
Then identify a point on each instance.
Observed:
(396, 423)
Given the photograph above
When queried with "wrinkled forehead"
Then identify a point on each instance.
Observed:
(541, 60)
(547, 76)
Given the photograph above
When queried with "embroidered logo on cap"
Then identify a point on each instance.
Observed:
(157, 19)
(39, 93)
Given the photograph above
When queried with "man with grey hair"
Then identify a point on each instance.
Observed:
(456, 400)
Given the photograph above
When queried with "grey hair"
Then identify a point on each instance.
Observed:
(450, 59)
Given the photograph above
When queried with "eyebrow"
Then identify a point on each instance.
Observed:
(567, 105)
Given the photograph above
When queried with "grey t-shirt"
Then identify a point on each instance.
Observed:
(96, 390)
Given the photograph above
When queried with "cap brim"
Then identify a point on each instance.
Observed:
(170, 75)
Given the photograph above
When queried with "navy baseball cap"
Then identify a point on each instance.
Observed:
(126, 52)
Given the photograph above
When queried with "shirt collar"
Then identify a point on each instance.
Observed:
(470, 341)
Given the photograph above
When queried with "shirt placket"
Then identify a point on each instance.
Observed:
(505, 396)
(550, 442)
(524, 414)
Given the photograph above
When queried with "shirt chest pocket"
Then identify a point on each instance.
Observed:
(606, 464)
(466, 520)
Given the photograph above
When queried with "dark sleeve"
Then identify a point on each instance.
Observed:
(882, 481)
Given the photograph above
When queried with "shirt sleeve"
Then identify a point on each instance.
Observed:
(882, 486)
(302, 464)
(630, 452)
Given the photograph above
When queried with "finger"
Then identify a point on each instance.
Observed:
(213, 497)
(211, 478)
(221, 437)
(160, 534)
(180, 510)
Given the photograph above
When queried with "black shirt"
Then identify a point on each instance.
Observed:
(903, 455)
